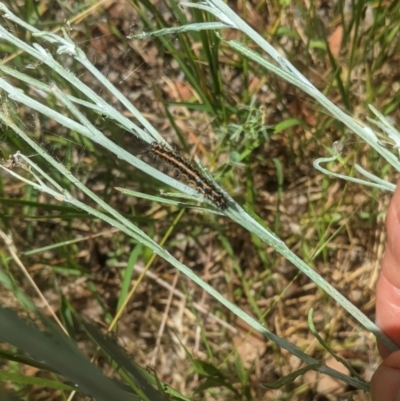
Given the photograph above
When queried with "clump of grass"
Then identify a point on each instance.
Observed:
(241, 142)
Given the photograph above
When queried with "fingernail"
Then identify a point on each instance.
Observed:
(393, 360)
